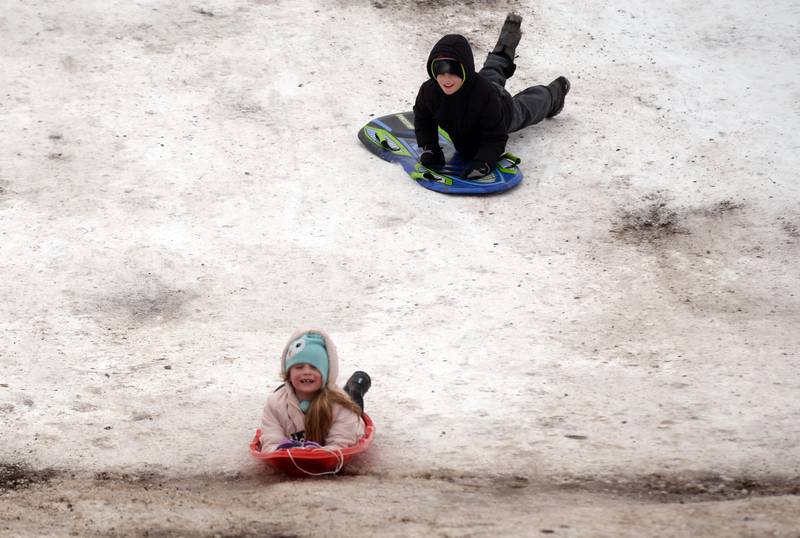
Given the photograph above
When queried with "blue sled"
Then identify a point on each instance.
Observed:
(392, 139)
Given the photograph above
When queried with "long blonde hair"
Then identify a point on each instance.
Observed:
(319, 416)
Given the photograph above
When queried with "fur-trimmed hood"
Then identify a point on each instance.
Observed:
(330, 347)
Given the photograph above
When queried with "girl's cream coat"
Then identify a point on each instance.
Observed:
(282, 415)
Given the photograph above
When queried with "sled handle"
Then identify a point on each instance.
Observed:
(385, 143)
(513, 162)
(429, 175)
(422, 175)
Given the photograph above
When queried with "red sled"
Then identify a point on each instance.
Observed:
(313, 462)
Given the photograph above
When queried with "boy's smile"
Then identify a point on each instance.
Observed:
(306, 381)
(449, 83)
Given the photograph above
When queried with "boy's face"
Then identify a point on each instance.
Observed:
(449, 83)
(306, 380)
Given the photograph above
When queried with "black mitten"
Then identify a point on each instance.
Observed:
(477, 169)
(431, 156)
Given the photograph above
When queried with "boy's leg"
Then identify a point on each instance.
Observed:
(537, 103)
(357, 386)
(495, 68)
(510, 34)
(530, 107)
(559, 89)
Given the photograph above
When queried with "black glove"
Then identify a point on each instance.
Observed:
(431, 156)
(477, 169)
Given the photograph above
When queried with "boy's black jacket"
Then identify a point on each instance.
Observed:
(476, 117)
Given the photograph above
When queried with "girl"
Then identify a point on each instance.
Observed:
(308, 409)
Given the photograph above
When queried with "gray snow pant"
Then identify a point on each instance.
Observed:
(530, 105)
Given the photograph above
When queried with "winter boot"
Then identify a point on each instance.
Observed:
(559, 89)
(357, 386)
(510, 34)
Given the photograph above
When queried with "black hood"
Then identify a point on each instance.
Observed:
(456, 47)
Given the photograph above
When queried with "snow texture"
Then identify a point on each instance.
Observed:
(181, 187)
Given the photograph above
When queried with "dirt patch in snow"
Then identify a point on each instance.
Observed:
(14, 476)
(789, 227)
(658, 218)
(435, 503)
(653, 221)
(425, 6)
(689, 487)
(4, 192)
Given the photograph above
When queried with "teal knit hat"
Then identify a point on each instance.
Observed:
(309, 349)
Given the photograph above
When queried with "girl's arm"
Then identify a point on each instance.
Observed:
(346, 429)
(272, 433)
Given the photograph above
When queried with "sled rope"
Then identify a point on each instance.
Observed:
(335, 451)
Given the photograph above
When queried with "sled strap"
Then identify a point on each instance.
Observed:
(335, 451)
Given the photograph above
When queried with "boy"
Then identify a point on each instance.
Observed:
(474, 108)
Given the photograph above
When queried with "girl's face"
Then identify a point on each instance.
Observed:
(306, 380)
(449, 83)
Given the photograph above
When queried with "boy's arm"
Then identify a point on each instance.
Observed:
(425, 127)
(493, 134)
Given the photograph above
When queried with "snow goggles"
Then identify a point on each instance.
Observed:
(443, 66)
